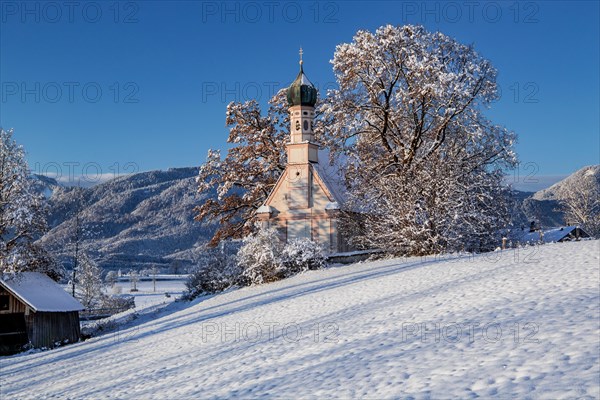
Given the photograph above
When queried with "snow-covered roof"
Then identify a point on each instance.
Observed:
(264, 209)
(333, 177)
(332, 206)
(40, 292)
(549, 236)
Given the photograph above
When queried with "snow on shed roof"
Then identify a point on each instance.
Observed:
(40, 292)
(549, 236)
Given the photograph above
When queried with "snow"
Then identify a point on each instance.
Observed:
(40, 292)
(304, 80)
(528, 317)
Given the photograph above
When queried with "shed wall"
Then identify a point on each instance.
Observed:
(47, 328)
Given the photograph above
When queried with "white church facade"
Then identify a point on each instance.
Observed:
(305, 201)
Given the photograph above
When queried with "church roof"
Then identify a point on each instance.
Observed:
(302, 91)
(333, 178)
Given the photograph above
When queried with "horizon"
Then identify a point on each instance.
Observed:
(143, 87)
(529, 183)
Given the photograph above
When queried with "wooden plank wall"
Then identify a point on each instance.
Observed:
(47, 328)
(14, 304)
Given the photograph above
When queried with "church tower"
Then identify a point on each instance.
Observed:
(304, 203)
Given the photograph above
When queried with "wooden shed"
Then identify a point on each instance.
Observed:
(35, 309)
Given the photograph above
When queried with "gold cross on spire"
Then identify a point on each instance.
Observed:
(301, 52)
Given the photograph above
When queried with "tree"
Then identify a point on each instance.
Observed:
(134, 279)
(424, 166)
(245, 177)
(581, 201)
(111, 278)
(22, 215)
(89, 282)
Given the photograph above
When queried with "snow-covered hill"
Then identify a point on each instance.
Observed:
(516, 324)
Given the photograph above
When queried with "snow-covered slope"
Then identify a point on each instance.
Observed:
(516, 324)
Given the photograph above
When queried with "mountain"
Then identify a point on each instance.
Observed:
(521, 323)
(559, 190)
(135, 221)
(544, 206)
(44, 185)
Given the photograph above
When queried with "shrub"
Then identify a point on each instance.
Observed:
(215, 271)
(117, 303)
(259, 258)
(300, 255)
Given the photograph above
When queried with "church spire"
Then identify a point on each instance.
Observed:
(302, 91)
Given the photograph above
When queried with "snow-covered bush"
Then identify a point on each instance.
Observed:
(260, 257)
(117, 304)
(265, 258)
(215, 271)
(300, 255)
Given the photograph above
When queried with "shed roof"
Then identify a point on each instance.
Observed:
(549, 235)
(40, 292)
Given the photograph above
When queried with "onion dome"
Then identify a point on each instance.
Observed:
(302, 91)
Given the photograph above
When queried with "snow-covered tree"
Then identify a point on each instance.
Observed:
(300, 255)
(424, 164)
(581, 201)
(89, 282)
(22, 214)
(134, 278)
(245, 177)
(111, 278)
(260, 257)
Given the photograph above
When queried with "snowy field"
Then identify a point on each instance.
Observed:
(147, 296)
(516, 324)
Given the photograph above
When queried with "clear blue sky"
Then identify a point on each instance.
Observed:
(105, 84)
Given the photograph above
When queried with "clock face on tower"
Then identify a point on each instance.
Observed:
(294, 174)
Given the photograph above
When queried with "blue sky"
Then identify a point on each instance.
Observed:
(95, 87)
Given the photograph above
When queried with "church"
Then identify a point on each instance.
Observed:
(305, 201)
